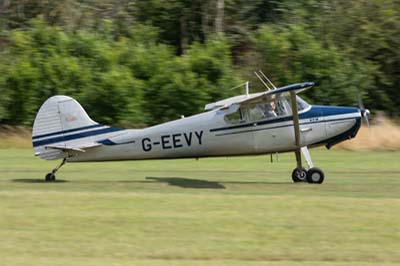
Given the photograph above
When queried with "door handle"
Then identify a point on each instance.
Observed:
(305, 129)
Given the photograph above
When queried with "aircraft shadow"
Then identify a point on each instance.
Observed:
(172, 181)
(31, 180)
(187, 183)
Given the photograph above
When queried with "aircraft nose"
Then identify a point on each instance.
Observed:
(342, 123)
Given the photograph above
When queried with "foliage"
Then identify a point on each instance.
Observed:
(367, 33)
(129, 81)
(143, 62)
(292, 54)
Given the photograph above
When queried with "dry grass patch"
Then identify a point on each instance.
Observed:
(384, 134)
(15, 137)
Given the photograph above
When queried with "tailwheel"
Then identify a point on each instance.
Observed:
(50, 177)
(315, 175)
(299, 176)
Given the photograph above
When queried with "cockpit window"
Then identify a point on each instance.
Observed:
(279, 106)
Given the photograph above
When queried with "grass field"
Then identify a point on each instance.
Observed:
(226, 211)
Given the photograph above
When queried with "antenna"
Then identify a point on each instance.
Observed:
(267, 79)
(262, 81)
(240, 85)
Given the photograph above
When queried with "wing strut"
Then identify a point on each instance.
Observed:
(296, 129)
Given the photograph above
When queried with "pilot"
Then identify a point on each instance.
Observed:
(270, 110)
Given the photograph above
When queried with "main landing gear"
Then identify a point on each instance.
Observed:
(51, 177)
(300, 174)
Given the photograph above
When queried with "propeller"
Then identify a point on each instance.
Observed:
(364, 112)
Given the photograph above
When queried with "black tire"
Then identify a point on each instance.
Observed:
(50, 177)
(299, 177)
(315, 176)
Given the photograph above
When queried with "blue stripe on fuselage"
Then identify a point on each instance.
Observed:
(75, 136)
(282, 126)
(335, 110)
(109, 142)
(315, 111)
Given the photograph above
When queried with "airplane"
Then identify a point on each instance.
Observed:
(276, 120)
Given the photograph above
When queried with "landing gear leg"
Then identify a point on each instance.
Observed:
(314, 175)
(50, 177)
(299, 174)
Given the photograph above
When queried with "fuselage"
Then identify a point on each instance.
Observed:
(209, 134)
(266, 122)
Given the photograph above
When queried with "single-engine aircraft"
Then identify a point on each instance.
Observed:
(273, 121)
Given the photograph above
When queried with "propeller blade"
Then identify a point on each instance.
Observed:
(360, 102)
(366, 116)
(364, 112)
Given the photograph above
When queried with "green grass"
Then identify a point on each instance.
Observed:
(226, 211)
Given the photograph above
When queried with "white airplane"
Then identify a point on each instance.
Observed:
(273, 121)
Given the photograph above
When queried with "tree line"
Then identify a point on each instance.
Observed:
(137, 63)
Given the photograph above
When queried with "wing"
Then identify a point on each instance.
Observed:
(261, 96)
(294, 88)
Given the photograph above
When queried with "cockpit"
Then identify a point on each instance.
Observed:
(278, 105)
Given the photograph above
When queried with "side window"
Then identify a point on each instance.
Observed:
(234, 118)
(278, 106)
(256, 112)
(283, 107)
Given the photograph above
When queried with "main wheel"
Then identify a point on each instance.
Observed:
(299, 176)
(315, 175)
(50, 177)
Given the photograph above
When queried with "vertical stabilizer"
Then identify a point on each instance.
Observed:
(58, 121)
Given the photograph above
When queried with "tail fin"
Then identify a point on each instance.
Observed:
(59, 119)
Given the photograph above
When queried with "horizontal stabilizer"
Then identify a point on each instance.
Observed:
(54, 152)
(80, 148)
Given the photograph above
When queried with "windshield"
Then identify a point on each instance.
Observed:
(278, 106)
(301, 104)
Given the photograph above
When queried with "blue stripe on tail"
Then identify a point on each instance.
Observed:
(75, 136)
(66, 131)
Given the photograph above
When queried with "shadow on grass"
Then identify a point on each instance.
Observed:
(187, 183)
(172, 181)
(31, 180)
(258, 183)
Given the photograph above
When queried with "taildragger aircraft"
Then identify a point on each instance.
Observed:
(273, 121)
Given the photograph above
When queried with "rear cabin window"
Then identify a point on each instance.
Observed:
(235, 118)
